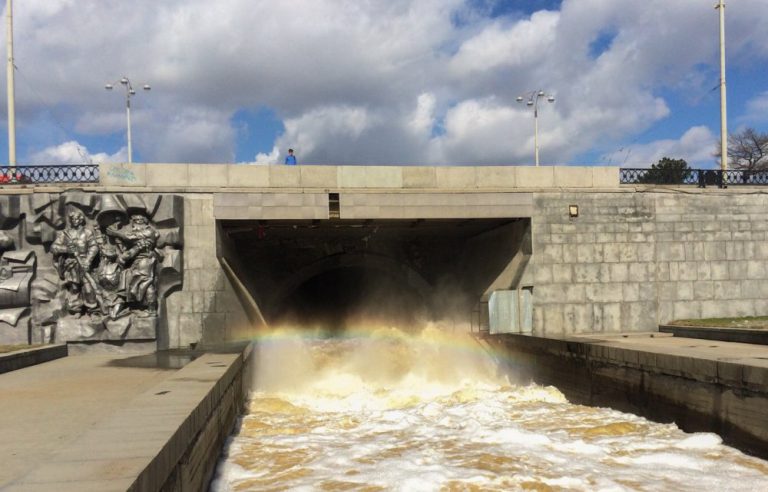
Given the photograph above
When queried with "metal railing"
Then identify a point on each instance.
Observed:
(80, 173)
(699, 177)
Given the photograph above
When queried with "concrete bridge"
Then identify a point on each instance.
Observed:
(557, 250)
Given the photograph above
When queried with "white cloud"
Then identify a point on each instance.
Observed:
(190, 134)
(318, 135)
(72, 152)
(371, 82)
(756, 111)
(499, 45)
(480, 130)
(422, 121)
(695, 146)
(266, 159)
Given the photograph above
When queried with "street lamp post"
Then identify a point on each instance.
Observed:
(129, 91)
(723, 112)
(11, 91)
(533, 100)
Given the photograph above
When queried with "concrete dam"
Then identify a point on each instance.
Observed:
(561, 273)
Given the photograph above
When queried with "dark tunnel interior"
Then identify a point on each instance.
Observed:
(337, 299)
(332, 274)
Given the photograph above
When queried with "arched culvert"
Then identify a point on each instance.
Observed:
(333, 269)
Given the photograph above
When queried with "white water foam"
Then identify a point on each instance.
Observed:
(384, 413)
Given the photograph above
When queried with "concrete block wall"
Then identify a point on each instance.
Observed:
(206, 309)
(631, 261)
(716, 255)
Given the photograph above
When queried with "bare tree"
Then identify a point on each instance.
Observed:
(747, 149)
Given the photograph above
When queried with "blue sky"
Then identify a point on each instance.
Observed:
(383, 82)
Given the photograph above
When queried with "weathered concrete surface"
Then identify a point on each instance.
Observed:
(701, 385)
(84, 423)
(20, 359)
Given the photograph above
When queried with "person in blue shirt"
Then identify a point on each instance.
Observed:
(290, 159)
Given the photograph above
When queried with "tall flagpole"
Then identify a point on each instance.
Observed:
(11, 94)
(723, 112)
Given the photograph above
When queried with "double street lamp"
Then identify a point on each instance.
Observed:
(533, 100)
(129, 92)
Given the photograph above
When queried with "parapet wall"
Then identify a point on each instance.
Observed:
(188, 177)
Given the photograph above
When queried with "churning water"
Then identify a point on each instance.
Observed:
(383, 410)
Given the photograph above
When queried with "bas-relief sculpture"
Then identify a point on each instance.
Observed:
(87, 267)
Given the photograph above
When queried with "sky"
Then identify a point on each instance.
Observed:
(385, 82)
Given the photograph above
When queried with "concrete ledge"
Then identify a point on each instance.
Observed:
(30, 357)
(741, 335)
(215, 177)
(168, 438)
(716, 387)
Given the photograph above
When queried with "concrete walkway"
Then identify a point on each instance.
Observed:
(46, 407)
(700, 359)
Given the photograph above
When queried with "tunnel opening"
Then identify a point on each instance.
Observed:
(334, 274)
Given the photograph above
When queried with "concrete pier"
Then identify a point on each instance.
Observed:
(106, 422)
(701, 385)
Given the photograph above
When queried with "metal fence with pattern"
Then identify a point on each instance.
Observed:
(699, 177)
(80, 173)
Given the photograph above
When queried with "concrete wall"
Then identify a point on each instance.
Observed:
(631, 261)
(206, 309)
(635, 257)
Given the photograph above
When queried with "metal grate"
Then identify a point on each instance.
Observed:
(81, 173)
